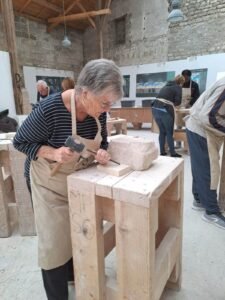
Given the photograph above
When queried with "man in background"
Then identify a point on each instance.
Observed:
(43, 90)
(190, 90)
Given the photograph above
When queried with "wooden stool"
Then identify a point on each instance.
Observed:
(146, 208)
(120, 126)
(179, 135)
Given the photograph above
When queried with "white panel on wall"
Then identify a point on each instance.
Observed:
(214, 63)
(30, 74)
(6, 86)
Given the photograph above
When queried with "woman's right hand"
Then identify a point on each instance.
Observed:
(64, 155)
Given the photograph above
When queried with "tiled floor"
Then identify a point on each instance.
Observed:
(203, 257)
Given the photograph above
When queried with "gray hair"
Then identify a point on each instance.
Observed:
(42, 83)
(99, 75)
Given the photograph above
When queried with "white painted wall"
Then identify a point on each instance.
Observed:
(6, 86)
(30, 74)
(215, 63)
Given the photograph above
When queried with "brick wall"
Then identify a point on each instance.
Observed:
(202, 32)
(36, 47)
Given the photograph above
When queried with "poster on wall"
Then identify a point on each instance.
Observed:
(200, 76)
(149, 84)
(52, 81)
(126, 86)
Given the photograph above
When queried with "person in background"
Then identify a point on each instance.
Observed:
(67, 83)
(43, 90)
(163, 112)
(80, 113)
(205, 129)
(190, 90)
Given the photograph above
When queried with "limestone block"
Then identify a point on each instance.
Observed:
(113, 169)
(136, 152)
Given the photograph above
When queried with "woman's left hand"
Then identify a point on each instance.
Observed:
(102, 156)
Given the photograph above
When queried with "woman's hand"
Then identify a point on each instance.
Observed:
(102, 156)
(64, 155)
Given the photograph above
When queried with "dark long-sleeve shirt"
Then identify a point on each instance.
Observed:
(50, 124)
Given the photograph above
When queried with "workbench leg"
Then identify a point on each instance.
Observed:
(135, 249)
(88, 244)
(171, 215)
(4, 211)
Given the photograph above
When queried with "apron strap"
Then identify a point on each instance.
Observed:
(73, 112)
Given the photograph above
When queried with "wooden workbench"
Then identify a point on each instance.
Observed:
(13, 188)
(146, 208)
(134, 115)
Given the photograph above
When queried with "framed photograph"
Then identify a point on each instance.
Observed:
(149, 84)
(126, 86)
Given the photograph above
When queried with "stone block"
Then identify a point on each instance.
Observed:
(136, 152)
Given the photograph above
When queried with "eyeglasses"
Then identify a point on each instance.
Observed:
(106, 105)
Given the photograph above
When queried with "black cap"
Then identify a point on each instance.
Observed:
(186, 72)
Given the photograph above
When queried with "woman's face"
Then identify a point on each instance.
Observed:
(95, 105)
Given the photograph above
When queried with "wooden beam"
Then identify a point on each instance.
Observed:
(84, 10)
(103, 18)
(100, 33)
(9, 24)
(48, 5)
(50, 27)
(35, 19)
(25, 5)
(80, 16)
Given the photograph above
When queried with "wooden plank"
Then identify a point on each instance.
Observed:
(25, 5)
(84, 10)
(135, 249)
(69, 8)
(80, 16)
(22, 195)
(141, 187)
(5, 229)
(48, 5)
(87, 241)
(9, 24)
(166, 256)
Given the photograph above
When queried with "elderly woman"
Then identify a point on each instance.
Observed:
(81, 113)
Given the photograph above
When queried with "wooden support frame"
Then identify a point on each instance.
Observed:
(80, 16)
(148, 223)
(48, 5)
(25, 5)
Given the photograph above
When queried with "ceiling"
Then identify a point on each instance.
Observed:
(51, 12)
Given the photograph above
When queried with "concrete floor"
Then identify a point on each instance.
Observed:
(203, 257)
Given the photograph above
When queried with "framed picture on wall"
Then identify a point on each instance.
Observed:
(52, 81)
(126, 86)
(200, 76)
(149, 84)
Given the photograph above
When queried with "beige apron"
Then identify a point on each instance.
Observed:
(50, 198)
(185, 103)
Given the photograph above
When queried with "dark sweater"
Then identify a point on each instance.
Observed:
(171, 92)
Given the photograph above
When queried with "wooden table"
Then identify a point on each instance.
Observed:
(134, 115)
(146, 210)
(13, 184)
(119, 124)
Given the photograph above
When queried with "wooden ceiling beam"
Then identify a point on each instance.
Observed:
(25, 5)
(80, 16)
(32, 18)
(107, 5)
(89, 18)
(48, 5)
(50, 27)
